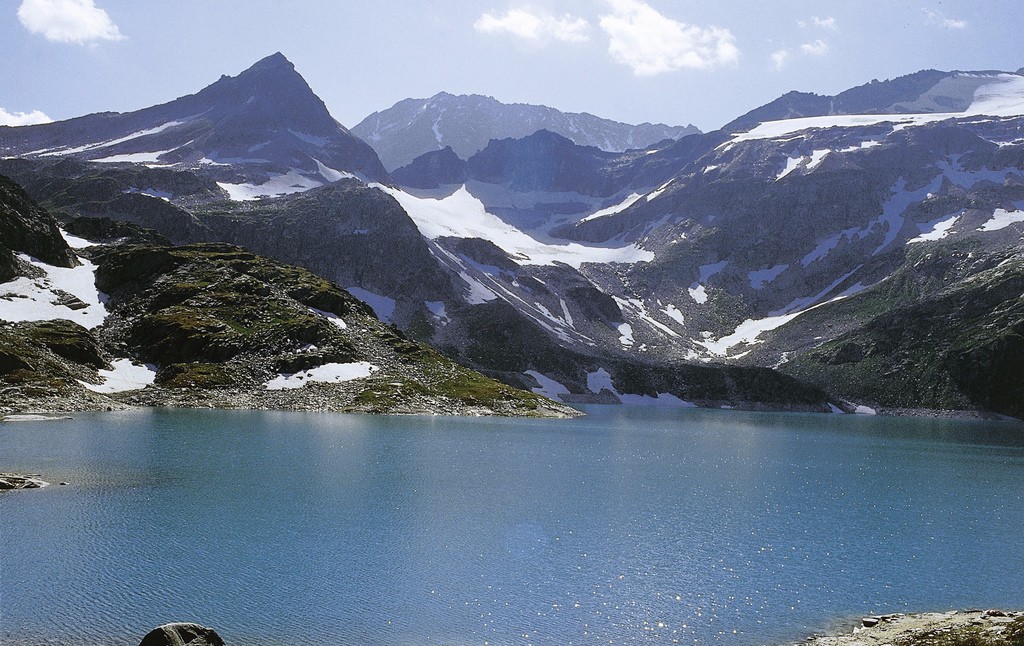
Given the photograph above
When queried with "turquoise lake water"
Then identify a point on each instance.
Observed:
(629, 526)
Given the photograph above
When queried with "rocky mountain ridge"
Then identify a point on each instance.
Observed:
(261, 132)
(927, 91)
(466, 123)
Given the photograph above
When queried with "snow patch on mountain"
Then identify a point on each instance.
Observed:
(327, 373)
(113, 142)
(330, 316)
(123, 376)
(74, 241)
(547, 387)
(291, 182)
(462, 215)
(601, 380)
(478, 292)
(792, 163)
(1002, 97)
(150, 158)
(47, 298)
(438, 310)
(953, 170)
(617, 208)
(746, 332)
(707, 271)
(382, 306)
(698, 294)
(626, 335)
(891, 220)
(749, 331)
(661, 189)
(151, 192)
(673, 313)
(331, 174)
(1001, 218)
(936, 229)
(637, 306)
(896, 206)
(761, 277)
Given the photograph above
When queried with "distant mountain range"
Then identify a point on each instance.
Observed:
(869, 243)
(466, 123)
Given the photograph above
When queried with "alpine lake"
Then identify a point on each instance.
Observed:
(631, 525)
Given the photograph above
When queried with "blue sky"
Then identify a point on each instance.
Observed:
(670, 61)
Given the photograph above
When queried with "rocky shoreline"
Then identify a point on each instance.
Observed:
(952, 628)
(21, 481)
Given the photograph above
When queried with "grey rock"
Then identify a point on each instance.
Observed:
(20, 481)
(182, 634)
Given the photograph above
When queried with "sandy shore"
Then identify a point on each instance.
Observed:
(900, 628)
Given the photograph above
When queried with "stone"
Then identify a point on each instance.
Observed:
(182, 634)
(20, 481)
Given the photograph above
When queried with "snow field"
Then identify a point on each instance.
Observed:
(327, 373)
(462, 215)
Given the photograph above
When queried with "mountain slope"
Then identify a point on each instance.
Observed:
(263, 129)
(466, 123)
(747, 245)
(960, 346)
(213, 325)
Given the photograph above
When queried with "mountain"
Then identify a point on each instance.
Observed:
(788, 244)
(927, 91)
(434, 288)
(138, 322)
(790, 264)
(466, 123)
(261, 132)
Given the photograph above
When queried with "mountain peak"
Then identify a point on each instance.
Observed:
(274, 63)
(267, 117)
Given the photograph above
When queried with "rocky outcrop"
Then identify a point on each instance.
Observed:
(975, 627)
(27, 228)
(432, 169)
(20, 481)
(182, 634)
(958, 346)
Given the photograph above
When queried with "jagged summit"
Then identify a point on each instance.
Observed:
(275, 60)
(264, 123)
(468, 122)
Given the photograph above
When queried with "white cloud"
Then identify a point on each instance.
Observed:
(22, 118)
(780, 57)
(68, 21)
(939, 19)
(825, 23)
(534, 26)
(651, 43)
(817, 48)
